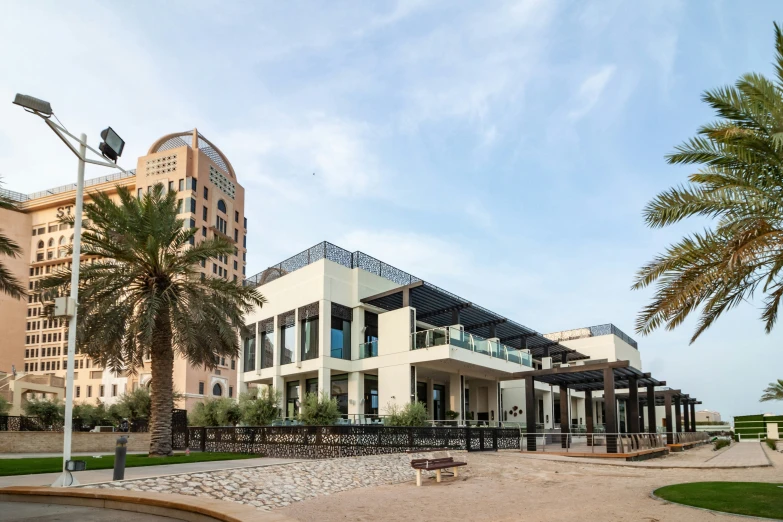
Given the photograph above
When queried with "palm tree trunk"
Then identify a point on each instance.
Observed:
(162, 392)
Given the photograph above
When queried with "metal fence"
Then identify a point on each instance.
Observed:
(316, 442)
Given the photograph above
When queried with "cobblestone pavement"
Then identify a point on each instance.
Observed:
(278, 486)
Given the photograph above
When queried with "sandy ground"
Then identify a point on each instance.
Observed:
(506, 486)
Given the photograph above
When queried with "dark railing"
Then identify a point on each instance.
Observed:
(326, 250)
(22, 423)
(316, 442)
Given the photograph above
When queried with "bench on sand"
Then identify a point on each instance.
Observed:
(437, 465)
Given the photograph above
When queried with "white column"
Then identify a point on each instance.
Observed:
(357, 333)
(324, 329)
(355, 394)
(297, 340)
(454, 394)
(548, 421)
(325, 381)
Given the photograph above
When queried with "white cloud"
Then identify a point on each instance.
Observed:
(590, 92)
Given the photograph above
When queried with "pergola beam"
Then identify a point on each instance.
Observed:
(485, 324)
(452, 308)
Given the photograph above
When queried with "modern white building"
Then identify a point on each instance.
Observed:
(372, 336)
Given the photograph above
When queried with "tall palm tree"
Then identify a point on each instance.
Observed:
(773, 392)
(740, 188)
(9, 284)
(144, 296)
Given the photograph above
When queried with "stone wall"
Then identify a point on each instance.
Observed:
(52, 442)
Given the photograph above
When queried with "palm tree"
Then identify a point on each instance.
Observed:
(773, 392)
(740, 187)
(9, 284)
(143, 296)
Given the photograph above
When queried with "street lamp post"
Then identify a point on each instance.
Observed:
(67, 307)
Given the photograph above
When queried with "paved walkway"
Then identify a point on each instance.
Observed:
(105, 475)
(23, 511)
(739, 455)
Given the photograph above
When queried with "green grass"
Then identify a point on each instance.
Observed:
(31, 466)
(758, 499)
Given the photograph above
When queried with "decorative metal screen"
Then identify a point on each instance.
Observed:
(308, 311)
(267, 325)
(342, 312)
(286, 319)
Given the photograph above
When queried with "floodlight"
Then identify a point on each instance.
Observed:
(34, 104)
(112, 144)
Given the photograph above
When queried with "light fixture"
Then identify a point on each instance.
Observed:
(112, 145)
(41, 107)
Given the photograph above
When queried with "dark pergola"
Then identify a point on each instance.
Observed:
(441, 308)
(684, 418)
(590, 377)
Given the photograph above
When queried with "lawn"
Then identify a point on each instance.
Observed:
(54, 464)
(758, 499)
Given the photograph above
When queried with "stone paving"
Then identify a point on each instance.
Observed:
(278, 486)
(740, 454)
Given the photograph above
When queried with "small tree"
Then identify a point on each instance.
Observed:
(5, 406)
(134, 405)
(319, 410)
(215, 412)
(89, 414)
(48, 412)
(412, 414)
(260, 406)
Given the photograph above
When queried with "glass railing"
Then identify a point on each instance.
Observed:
(456, 337)
(369, 349)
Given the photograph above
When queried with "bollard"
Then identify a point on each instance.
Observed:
(119, 458)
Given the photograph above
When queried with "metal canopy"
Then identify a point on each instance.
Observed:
(436, 306)
(590, 377)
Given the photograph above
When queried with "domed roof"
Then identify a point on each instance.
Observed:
(197, 141)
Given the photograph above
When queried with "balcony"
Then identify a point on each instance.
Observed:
(456, 337)
(369, 349)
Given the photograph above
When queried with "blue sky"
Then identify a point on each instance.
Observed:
(501, 150)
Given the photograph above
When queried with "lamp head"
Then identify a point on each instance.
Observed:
(35, 105)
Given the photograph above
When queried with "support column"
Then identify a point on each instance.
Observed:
(565, 418)
(324, 381)
(455, 395)
(686, 413)
(677, 415)
(589, 416)
(530, 413)
(356, 395)
(641, 419)
(693, 416)
(651, 422)
(667, 405)
(633, 405)
(610, 407)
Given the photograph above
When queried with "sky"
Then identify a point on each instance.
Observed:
(501, 150)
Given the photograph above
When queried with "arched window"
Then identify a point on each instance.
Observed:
(222, 206)
(51, 241)
(40, 244)
(61, 242)
(71, 238)
(217, 390)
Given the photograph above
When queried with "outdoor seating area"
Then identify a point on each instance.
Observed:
(440, 462)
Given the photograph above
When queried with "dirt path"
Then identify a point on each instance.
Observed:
(506, 486)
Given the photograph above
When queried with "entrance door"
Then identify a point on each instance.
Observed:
(439, 401)
(292, 400)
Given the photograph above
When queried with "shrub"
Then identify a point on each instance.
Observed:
(49, 412)
(5, 406)
(412, 414)
(215, 412)
(721, 443)
(319, 410)
(772, 443)
(451, 414)
(260, 406)
(89, 414)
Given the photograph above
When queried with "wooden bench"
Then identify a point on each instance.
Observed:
(436, 465)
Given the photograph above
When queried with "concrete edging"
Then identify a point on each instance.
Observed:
(180, 507)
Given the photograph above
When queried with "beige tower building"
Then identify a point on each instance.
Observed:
(211, 200)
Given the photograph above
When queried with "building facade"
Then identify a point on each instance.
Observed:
(211, 200)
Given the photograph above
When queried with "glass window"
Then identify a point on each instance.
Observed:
(171, 186)
(140, 193)
(179, 206)
(236, 216)
(371, 327)
(340, 392)
(217, 390)
(310, 339)
(222, 206)
(250, 353)
(182, 184)
(230, 391)
(192, 223)
(192, 205)
(291, 399)
(201, 388)
(341, 338)
(206, 193)
(267, 349)
(204, 214)
(287, 344)
(312, 385)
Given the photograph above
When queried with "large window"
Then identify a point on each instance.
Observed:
(291, 399)
(221, 205)
(250, 352)
(312, 385)
(371, 394)
(341, 338)
(267, 349)
(310, 339)
(217, 390)
(287, 344)
(340, 392)
(370, 327)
